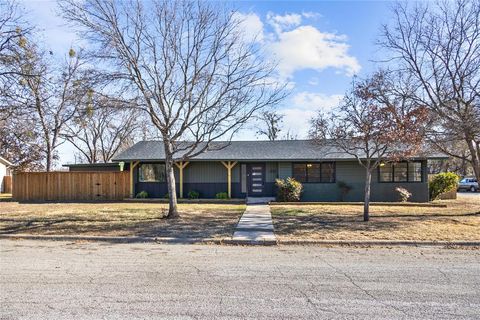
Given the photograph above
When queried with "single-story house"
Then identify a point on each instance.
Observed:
(4, 172)
(249, 169)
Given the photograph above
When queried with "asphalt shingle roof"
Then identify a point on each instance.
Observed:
(282, 150)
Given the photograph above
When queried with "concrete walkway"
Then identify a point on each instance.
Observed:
(255, 226)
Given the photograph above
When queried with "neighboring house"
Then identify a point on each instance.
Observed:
(249, 169)
(4, 171)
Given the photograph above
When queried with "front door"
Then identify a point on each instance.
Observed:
(256, 179)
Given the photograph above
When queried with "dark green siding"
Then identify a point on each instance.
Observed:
(352, 173)
(210, 177)
(271, 171)
(284, 170)
(208, 172)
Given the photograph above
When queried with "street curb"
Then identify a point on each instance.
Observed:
(112, 239)
(138, 239)
(250, 242)
(230, 241)
(412, 243)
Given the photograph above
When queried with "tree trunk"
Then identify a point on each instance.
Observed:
(475, 159)
(170, 175)
(49, 160)
(366, 203)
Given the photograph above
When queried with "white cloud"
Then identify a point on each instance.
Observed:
(306, 47)
(300, 47)
(287, 21)
(251, 25)
(316, 101)
(303, 107)
(311, 15)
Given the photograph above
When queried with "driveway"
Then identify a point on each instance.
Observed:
(468, 195)
(59, 280)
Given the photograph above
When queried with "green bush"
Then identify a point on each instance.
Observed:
(442, 182)
(221, 195)
(288, 190)
(193, 194)
(166, 196)
(142, 195)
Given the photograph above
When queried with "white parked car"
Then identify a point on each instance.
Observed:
(468, 184)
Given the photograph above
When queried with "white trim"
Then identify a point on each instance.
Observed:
(6, 162)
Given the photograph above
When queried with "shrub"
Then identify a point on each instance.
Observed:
(142, 195)
(193, 194)
(289, 190)
(403, 193)
(344, 188)
(221, 195)
(166, 196)
(442, 182)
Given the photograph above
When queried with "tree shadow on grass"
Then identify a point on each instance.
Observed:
(303, 224)
(189, 227)
(331, 223)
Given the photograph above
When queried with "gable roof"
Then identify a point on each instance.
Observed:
(5, 162)
(280, 150)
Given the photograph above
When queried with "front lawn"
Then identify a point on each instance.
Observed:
(119, 219)
(459, 221)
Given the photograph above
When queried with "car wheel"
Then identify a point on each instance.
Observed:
(472, 188)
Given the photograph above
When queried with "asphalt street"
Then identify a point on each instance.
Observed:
(61, 280)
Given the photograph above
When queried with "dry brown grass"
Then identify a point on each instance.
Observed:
(119, 219)
(5, 196)
(459, 221)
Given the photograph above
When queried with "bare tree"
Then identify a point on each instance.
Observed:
(187, 62)
(373, 124)
(438, 46)
(270, 124)
(13, 30)
(290, 135)
(20, 143)
(46, 94)
(102, 130)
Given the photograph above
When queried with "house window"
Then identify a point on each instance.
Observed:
(386, 172)
(328, 172)
(314, 172)
(400, 172)
(415, 172)
(244, 178)
(300, 172)
(151, 172)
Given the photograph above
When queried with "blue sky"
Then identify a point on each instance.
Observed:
(319, 46)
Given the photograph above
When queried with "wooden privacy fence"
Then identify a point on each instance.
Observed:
(70, 186)
(7, 184)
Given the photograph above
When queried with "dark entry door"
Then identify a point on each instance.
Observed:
(256, 179)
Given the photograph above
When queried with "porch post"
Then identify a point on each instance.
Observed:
(229, 165)
(181, 165)
(132, 166)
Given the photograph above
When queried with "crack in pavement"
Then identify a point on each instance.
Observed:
(316, 308)
(350, 279)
